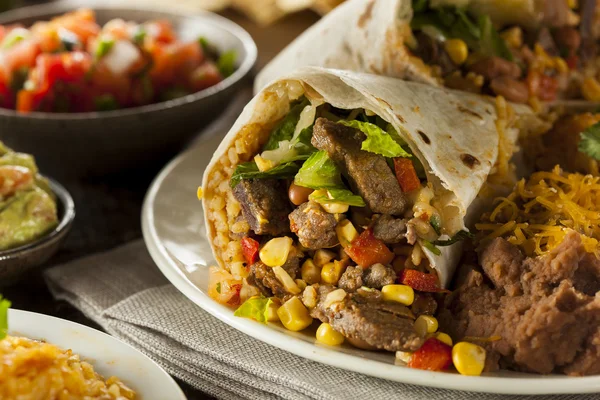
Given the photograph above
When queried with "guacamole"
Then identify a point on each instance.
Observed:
(27, 205)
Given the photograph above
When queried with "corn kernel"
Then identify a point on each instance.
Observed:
(329, 336)
(442, 337)
(399, 293)
(264, 164)
(199, 193)
(591, 89)
(561, 65)
(293, 315)
(335, 208)
(322, 257)
(425, 324)
(457, 50)
(346, 232)
(271, 312)
(513, 37)
(286, 280)
(468, 358)
(572, 4)
(275, 252)
(310, 273)
(404, 356)
(332, 272)
(301, 284)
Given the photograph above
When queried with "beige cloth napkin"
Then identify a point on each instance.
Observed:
(124, 292)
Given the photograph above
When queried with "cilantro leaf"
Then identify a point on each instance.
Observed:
(104, 46)
(435, 223)
(378, 141)
(250, 170)
(4, 306)
(590, 141)
(458, 236)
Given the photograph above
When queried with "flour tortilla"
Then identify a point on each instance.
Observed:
(452, 133)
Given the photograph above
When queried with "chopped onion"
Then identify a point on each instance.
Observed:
(121, 57)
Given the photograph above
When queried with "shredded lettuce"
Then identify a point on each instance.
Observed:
(250, 170)
(378, 141)
(490, 43)
(254, 308)
(590, 141)
(319, 172)
(285, 129)
(341, 196)
(4, 306)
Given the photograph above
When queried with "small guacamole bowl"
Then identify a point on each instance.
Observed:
(17, 261)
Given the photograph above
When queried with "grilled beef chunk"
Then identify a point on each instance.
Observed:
(351, 280)
(292, 264)
(265, 205)
(383, 325)
(263, 277)
(314, 226)
(378, 275)
(389, 229)
(368, 173)
(546, 310)
(375, 277)
(424, 304)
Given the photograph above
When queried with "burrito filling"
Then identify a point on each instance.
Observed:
(546, 57)
(338, 223)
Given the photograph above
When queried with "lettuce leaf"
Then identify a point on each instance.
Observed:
(254, 308)
(378, 141)
(341, 196)
(319, 172)
(285, 129)
(490, 43)
(250, 170)
(590, 141)
(4, 306)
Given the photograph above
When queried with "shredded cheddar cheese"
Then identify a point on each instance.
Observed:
(537, 215)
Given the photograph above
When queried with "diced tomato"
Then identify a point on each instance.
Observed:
(406, 174)
(81, 22)
(14, 178)
(234, 301)
(420, 280)
(22, 54)
(572, 61)
(433, 356)
(161, 31)
(367, 250)
(548, 88)
(206, 75)
(222, 287)
(250, 250)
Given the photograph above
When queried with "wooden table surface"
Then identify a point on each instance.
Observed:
(108, 210)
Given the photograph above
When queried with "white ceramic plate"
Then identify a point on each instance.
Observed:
(173, 227)
(109, 356)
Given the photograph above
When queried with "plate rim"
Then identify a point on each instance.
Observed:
(542, 385)
(175, 388)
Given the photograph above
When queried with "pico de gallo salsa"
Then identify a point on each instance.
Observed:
(73, 64)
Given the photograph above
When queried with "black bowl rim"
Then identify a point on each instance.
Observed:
(63, 6)
(64, 197)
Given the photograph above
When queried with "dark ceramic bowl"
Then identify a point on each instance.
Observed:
(98, 143)
(15, 262)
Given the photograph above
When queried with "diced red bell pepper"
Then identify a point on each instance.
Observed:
(367, 250)
(572, 61)
(406, 174)
(433, 356)
(420, 281)
(250, 250)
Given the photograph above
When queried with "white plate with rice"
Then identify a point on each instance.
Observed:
(107, 355)
(174, 232)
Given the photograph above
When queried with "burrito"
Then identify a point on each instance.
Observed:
(528, 51)
(349, 188)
